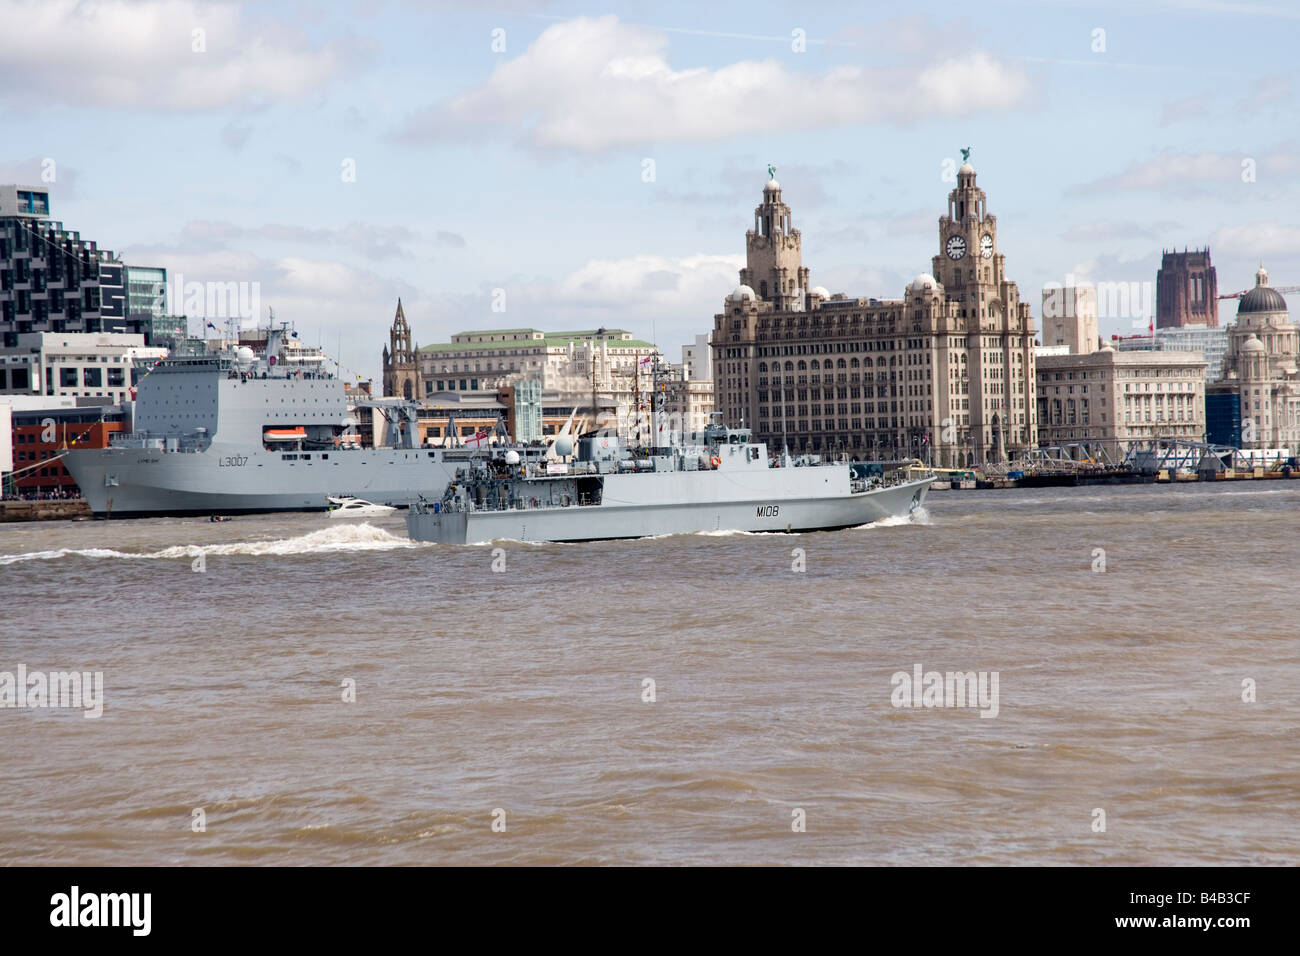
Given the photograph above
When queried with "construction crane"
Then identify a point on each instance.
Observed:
(1283, 289)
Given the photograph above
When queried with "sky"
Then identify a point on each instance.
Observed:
(564, 166)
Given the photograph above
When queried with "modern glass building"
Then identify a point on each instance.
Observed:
(51, 279)
(146, 290)
(528, 410)
(1223, 416)
(1212, 343)
(146, 308)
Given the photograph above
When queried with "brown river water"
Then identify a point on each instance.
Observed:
(519, 696)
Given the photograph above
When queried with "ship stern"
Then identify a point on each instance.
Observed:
(443, 527)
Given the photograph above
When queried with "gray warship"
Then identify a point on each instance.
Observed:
(720, 480)
(239, 431)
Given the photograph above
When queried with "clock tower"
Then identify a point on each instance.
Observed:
(773, 254)
(995, 385)
(969, 264)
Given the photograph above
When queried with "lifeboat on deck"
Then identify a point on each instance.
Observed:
(298, 433)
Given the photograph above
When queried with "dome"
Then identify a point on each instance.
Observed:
(1253, 344)
(967, 168)
(1261, 298)
(1106, 347)
(772, 186)
(820, 290)
(743, 292)
(924, 283)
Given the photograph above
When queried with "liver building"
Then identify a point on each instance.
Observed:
(945, 373)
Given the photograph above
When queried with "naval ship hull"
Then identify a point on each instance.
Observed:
(647, 517)
(151, 482)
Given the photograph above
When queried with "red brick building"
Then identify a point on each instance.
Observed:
(1187, 290)
(36, 444)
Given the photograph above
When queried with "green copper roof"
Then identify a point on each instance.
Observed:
(495, 332)
(552, 340)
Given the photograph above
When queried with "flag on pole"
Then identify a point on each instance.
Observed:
(213, 327)
(647, 359)
(478, 438)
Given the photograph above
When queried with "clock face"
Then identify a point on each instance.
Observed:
(956, 247)
(986, 246)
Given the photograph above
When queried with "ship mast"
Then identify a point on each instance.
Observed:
(656, 401)
(594, 411)
(636, 394)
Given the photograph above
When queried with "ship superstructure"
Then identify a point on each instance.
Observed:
(243, 430)
(719, 481)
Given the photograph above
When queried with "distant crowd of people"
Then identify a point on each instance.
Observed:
(58, 495)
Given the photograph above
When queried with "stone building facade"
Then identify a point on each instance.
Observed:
(945, 373)
(1120, 399)
(1261, 364)
(474, 370)
(1070, 318)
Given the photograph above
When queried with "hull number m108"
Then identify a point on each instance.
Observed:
(768, 511)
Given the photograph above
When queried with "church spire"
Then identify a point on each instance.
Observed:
(401, 364)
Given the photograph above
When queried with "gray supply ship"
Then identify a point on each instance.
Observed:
(723, 483)
(239, 431)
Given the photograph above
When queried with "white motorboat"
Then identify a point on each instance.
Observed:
(349, 507)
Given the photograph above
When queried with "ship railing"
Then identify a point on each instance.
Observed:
(526, 503)
(134, 440)
(139, 440)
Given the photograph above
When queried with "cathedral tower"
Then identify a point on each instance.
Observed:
(1187, 290)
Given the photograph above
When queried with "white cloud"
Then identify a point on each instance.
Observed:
(1188, 108)
(329, 301)
(1271, 90)
(1170, 171)
(123, 53)
(592, 84)
(372, 241)
(690, 283)
(1258, 240)
(1103, 230)
(669, 298)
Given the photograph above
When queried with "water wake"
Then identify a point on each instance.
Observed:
(355, 537)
